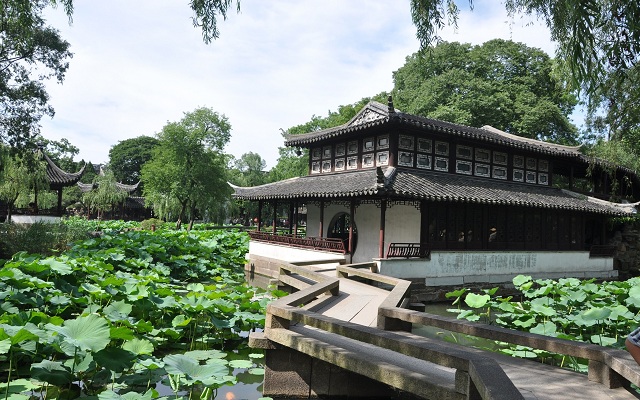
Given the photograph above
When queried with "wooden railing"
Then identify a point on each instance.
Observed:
(408, 250)
(315, 243)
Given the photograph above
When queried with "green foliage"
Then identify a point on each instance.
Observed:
(105, 195)
(31, 53)
(569, 308)
(39, 237)
(500, 83)
(290, 164)
(186, 176)
(618, 152)
(598, 44)
(128, 156)
(115, 315)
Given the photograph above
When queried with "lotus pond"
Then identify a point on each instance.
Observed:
(602, 313)
(130, 315)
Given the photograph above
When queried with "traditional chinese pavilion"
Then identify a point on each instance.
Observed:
(59, 179)
(445, 203)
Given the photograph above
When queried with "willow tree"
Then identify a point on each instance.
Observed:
(21, 175)
(105, 194)
(186, 176)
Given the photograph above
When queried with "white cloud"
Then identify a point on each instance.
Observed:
(140, 64)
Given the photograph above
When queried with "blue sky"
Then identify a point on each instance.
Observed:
(138, 64)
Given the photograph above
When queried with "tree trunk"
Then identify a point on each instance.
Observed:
(192, 218)
(181, 215)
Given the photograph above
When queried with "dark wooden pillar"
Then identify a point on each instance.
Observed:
(295, 218)
(321, 225)
(59, 202)
(259, 215)
(383, 217)
(571, 178)
(290, 217)
(275, 216)
(352, 215)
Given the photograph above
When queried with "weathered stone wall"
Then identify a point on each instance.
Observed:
(627, 256)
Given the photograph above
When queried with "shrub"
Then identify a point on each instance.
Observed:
(39, 237)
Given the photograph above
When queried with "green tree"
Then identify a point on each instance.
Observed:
(252, 169)
(105, 195)
(291, 163)
(21, 173)
(598, 40)
(30, 53)
(128, 156)
(507, 85)
(187, 174)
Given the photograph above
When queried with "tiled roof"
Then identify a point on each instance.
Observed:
(429, 185)
(135, 202)
(59, 178)
(123, 187)
(376, 114)
(357, 183)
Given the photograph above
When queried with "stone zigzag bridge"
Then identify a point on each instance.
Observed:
(344, 331)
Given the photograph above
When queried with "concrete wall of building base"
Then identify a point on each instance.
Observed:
(291, 374)
(32, 219)
(455, 268)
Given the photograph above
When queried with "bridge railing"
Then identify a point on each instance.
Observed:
(477, 377)
(333, 245)
(608, 366)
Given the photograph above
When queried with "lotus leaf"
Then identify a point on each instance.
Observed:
(180, 364)
(548, 329)
(520, 280)
(241, 364)
(180, 321)
(122, 333)
(15, 387)
(52, 372)
(118, 310)
(597, 314)
(57, 266)
(5, 346)
(89, 333)
(115, 359)
(477, 300)
(603, 340)
(138, 346)
(111, 395)
(202, 355)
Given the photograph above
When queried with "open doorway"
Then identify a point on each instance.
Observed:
(339, 228)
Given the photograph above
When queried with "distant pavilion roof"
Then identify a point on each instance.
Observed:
(59, 178)
(123, 187)
(404, 183)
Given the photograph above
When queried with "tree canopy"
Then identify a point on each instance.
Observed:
(128, 156)
(598, 40)
(186, 174)
(31, 53)
(501, 83)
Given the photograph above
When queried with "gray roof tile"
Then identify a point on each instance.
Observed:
(429, 185)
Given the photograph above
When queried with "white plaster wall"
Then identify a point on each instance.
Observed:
(454, 268)
(402, 225)
(313, 218)
(292, 254)
(368, 222)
